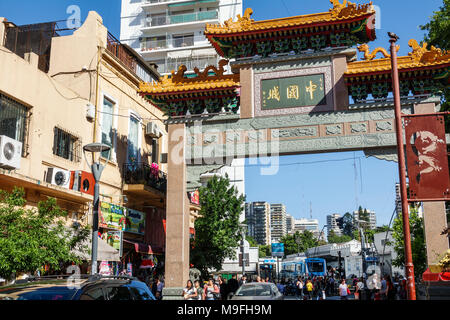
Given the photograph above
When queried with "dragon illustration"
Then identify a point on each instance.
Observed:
(370, 56)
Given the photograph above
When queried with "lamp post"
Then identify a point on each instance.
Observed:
(243, 227)
(409, 266)
(97, 169)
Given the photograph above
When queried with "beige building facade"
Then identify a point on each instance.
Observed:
(78, 89)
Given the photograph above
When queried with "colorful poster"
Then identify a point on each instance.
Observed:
(426, 153)
(105, 268)
(113, 239)
(130, 269)
(111, 216)
(135, 221)
(195, 197)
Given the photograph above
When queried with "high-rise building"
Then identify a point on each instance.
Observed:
(170, 32)
(332, 224)
(277, 222)
(311, 225)
(372, 218)
(257, 215)
(289, 224)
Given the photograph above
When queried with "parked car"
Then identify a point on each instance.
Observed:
(258, 291)
(87, 288)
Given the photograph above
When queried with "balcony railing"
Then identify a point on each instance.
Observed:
(180, 18)
(187, 41)
(143, 173)
(172, 64)
(160, 1)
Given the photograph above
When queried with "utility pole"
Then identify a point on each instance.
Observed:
(409, 266)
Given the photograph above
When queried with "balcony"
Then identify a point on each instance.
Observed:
(143, 174)
(200, 62)
(162, 44)
(166, 20)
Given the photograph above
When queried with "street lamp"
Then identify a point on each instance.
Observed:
(97, 169)
(243, 228)
(363, 246)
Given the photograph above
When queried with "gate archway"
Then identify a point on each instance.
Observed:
(295, 87)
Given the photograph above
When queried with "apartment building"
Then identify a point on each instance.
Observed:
(257, 215)
(311, 225)
(170, 32)
(278, 227)
(372, 218)
(289, 224)
(332, 224)
(62, 90)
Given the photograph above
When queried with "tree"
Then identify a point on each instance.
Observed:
(299, 242)
(333, 238)
(419, 254)
(217, 231)
(348, 224)
(252, 242)
(265, 251)
(32, 238)
(439, 36)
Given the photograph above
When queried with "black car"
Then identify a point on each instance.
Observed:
(86, 288)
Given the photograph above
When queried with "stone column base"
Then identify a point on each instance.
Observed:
(172, 293)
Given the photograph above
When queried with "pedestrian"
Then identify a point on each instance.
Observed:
(332, 286)
(212, 291)
(343, 290)
(402, 294)
(358, 288)
(159, 288)
(223, 287)
(267, 279)
(198, 294)
(258, 279)
(383, 289)
(189, 291)
(299, 288)
(243, 280)
(233, 284)
(309, 289)
(390, 289)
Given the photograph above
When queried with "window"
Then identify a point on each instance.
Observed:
(155, 151)
(13, 120)
(141, 293)
(94, 294)
(66, 145)
(134, 139)
(107, 127)
(118, 293)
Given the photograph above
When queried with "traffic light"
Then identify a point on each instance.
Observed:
(340, 222)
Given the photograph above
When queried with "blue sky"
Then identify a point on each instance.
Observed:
(330, 186)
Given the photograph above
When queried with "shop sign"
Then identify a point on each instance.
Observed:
(115, 240)
(105, 268)
(135, 221)
(293, 92)
(111, 216)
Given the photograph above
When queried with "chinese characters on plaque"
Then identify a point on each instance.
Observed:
(293, 92)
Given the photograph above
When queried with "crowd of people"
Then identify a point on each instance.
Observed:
(305, 288)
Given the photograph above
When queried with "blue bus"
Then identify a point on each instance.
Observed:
(303, 267)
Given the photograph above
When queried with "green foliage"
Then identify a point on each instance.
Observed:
(307, 240)
(252, 242)
(333, 238)
(348, 224)
(217, 232)
(265, 251)
(30, 238)
(419, 254)
(439, 36)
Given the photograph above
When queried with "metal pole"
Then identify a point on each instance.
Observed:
(243, 251)
(97, 169)
(409, 266)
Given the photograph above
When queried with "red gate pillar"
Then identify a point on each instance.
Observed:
(177, 214)
(409, 266)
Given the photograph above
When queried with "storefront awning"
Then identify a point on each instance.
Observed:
(104, 251)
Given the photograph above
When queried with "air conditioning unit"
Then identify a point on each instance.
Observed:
(10, 153)
(152, 130)
(58, 177)
(82, 181)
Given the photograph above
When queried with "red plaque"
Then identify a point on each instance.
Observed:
(426, 155)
